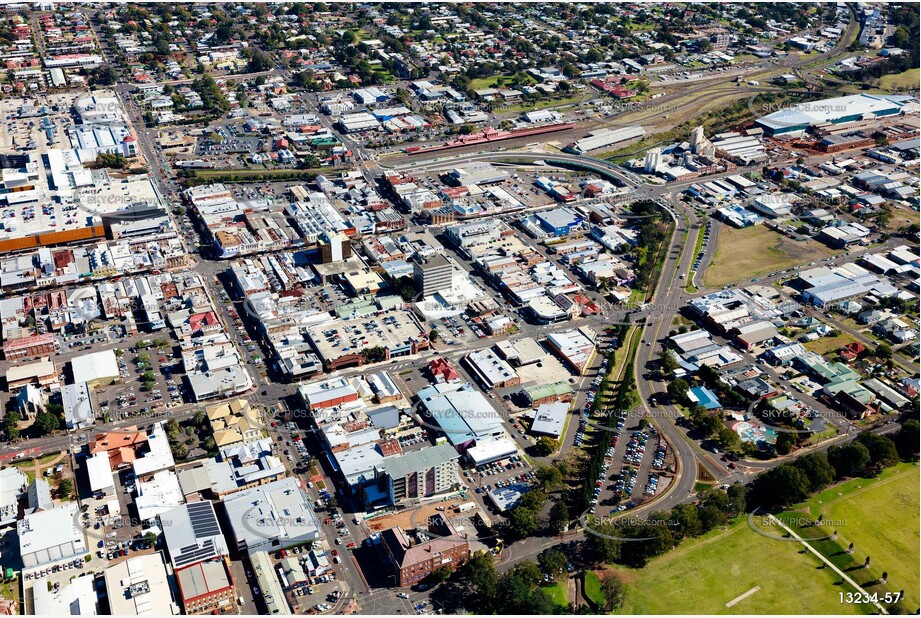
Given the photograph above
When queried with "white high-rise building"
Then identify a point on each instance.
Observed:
(653, 160)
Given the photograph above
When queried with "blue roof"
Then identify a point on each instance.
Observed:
(706, 397)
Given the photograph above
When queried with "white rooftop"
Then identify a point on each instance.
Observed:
(95, 366)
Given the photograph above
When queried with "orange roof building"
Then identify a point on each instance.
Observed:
(120, 445)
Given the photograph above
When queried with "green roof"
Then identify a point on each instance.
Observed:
(556, 389)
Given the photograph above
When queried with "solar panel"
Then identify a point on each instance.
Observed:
(204, 523)
(193, 553)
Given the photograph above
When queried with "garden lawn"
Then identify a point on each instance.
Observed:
(592, 588)
(558, 592)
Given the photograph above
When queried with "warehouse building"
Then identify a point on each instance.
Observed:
(604, 138)
(50, 536)
(95, 369)
(798, 119)
(355, 123)
(549, 419)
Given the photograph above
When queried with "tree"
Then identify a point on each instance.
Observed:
(523, 521)
(669, 364)
(820, 473)
(258, 61)
(200, 418)
(559, 518)
(546, 445)
(45, 423)
(442, 573)
(11, 424)
(65, 489)
(151, 537)
(103, 76)
(883, 453)
(550, 478)
(884, 351)
(784, 443)
(172, 428)
(614, 590)
(781, 486)
(849, 460)
(480, 575)
(727, 438)
(180, 451)
(553, 562)
(710, 424)
(602, 544)
(678, 390)
(907, 440)
(686, 520)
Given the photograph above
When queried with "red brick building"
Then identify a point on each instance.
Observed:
(412, 561)
(207, 587)
(28, 347)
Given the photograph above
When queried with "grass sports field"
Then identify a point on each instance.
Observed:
(880, 517)
(748, 252)
(704, 574)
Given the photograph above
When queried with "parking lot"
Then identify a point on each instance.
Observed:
(634, 466)
(138, 369)
(511, 471)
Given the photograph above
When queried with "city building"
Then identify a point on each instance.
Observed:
(420, 474)
(12, 486)
(490, 370)
(76, 598)
(79, 411)
(50, 536)
(464, 415)
(549, 419)
(207, 588)
(39, 373)
(432, 274)
(192, 534)
(413, 558)
(96, 369)
(99, 472)
(140, 586)
(270, 517)
(575, 347)
(233, 422)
